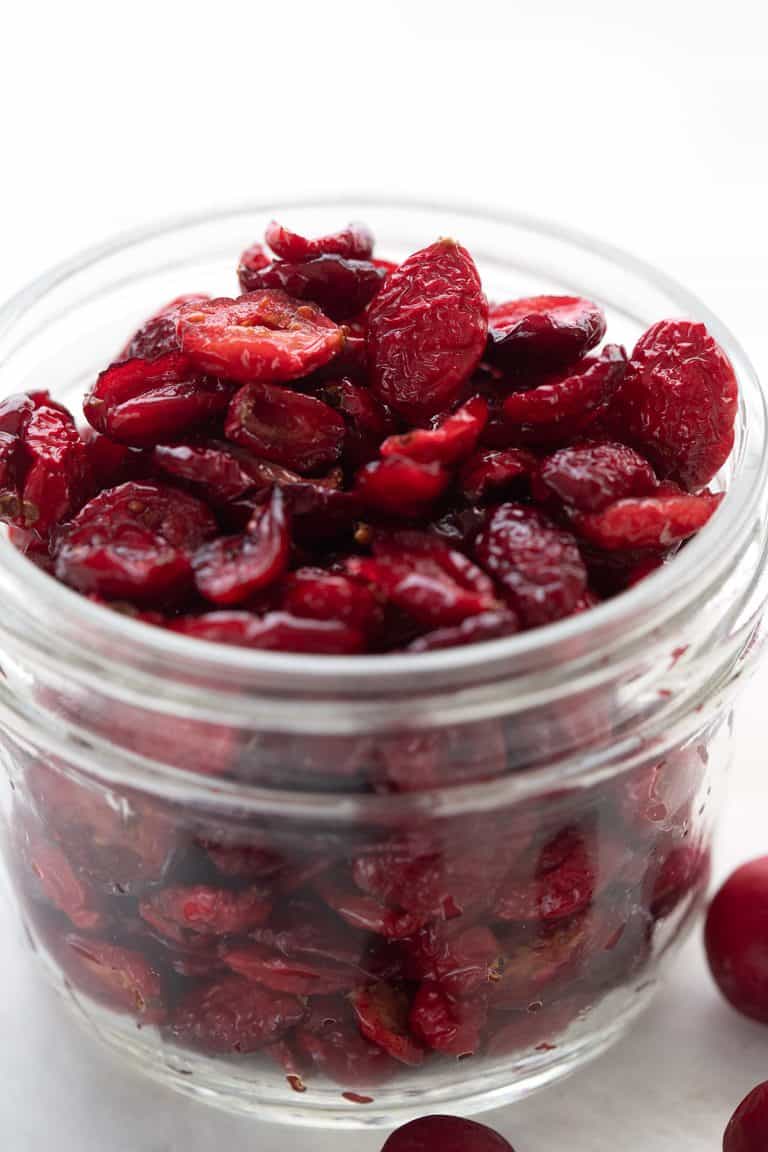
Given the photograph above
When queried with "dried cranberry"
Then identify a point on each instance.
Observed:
(342, 288)
(427, 330)
(111, 463)
(489, 472)
(536, 563)
(337, 1050)
(367, 913)
(132, 543)
(382, 1013)
(157, 335)
(737, 939)
(403, 489)
(747, 1130)
(354, 242)
(205, 910)
(296, 431)
(57, 479)
(572, 397)
(543, 332)
(451, 438)
(319, 595)
(233, 1015)
(564, 883)
(589, 477)
(446, 1134)
(253, 259)
(276, 632)
(453, 1027)
(142, 402)
(122, 978)
(264, 335)
(61, 886)
(231, 569)
(368, 422)
(461, 962)
(473, 630)
(436, 585)
(678, 403)
(301, 977)
(647, 522)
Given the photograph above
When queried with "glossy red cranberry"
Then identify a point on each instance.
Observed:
(736, 939)
(448, 441)
(231, 569)
(445, 1134)
(298, 432)
(341, 288)
(354, 242)
(647, 522)
(543, 331)
(232, 1015)
(747, 1130)
(157, 335)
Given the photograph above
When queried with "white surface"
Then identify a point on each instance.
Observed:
(643, 126)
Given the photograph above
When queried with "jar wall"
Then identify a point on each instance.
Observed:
(293, 967)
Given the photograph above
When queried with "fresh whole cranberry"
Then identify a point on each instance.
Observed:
(748, 1127)
(736, 938)
(446, 1134)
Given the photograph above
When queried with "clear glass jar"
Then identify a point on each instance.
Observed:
(445, 879)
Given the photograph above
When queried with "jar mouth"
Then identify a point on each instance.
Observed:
(592, 636)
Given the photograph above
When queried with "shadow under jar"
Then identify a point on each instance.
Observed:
(346, 891)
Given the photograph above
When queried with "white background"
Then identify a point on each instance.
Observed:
(646, 127)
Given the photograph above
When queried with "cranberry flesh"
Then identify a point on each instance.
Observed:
(446, 1134)
(747, 1130)
(736, 938)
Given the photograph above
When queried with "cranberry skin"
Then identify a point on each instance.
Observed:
(142, 402)
(445, 1134)
(296, 431)
(158, 335)
(648, 522)
(342, 288)
(231, 569)
(355, 242)
(543, 332)
(233, 1015)
(572, 398)
(264, 335)
(747, 1130)
(536, 563)
(592, 476)
(275, 632)
(402, 489)
(426, 331)
(678, 404)
(132, 543)
(450, 440)
(736, 938)
(487, 473)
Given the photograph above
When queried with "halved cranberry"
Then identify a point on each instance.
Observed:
(589, 477)
(57, 480)
(490, 471)
(648, 522)
(221, 472)
(572, 397)
(403, 489)
(382, 1013)
(354, 242)
(263, 335)
(230, 569)
(341, 287)
(233, 1015)
(320, 595)
(445, 1134)
(447, 1025)
(368, 421)
(450, 439)
(142, 402)
(157, 335)
(122, 978)
(543, 331)
(296, 431)
(301, 977)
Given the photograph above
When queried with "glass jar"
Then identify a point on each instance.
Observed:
(346, 891)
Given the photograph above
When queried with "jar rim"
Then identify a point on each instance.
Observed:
(592, 633)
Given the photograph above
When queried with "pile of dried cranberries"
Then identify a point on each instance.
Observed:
(354, 456)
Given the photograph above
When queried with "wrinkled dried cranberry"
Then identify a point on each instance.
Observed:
(111, 463)
(403, 489)
(647, 522)
(572, 397)
(342, 288)
(122, 978)
(747, 1129)
(230, 569)
(354, 242)
(678, 403)
(589, 477)
(453, 1027)
(427, 330)
(445, 1134)
(321, 595)
(563, 884)
(205, 910)
(382, 1013)
(253, 259)
(436, 585)
(473, 630)
(462, 962)
(296, 431)
(543, 331)
(488, 472)
(233, 1015)
(737, 939)
(264, 335)
(57, 480)
(537, 564)
(450, 439)
(276, 632)
(132, 542)
(337, 1050)
(366, 912)
(368, 422)
(157, 335)
(301, 977)
(61, 886)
